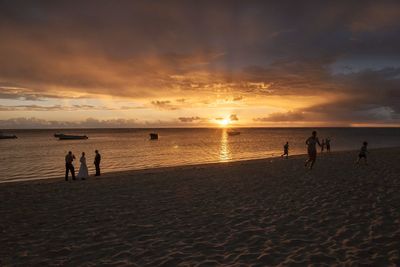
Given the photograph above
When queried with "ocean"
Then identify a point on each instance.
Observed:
(37, 154)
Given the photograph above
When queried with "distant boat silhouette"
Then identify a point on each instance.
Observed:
(7, 136)
(72, 137)
(233, 132)
(153, 136)
(58, 135)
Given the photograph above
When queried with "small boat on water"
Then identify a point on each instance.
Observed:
(58, 135)
(233, 132)
(7, 136)
(153, 136)
(72, 137)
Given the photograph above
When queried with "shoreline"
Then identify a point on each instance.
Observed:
(190, 166)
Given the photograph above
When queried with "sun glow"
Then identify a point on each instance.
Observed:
(224, 122)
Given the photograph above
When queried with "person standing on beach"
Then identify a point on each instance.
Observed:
(322, 145)
(97, 160)
(311, 143)
(69, 167)
(83, 170)
(328, 144)
(286, 150)
(363, 153)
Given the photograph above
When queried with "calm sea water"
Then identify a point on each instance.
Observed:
(37, 154)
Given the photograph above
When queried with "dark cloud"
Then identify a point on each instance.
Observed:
(357, 111)
(190, 119)
(291, 116)
(164, 105)
(376, 16)
(366, 95)
(233, 117)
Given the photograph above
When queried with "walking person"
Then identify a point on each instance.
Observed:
(363, 153)
(97, 160)
(286, 150)
(311, 143)
(69, 167)
(328, 144)
(83, 169)
(323, 145)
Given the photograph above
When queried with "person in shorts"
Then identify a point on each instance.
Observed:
(363, 153)
(286, 150)
(328, 144)
(311, 143)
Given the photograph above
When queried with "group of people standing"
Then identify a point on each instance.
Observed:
(83, 169)
(326, 144)
(312, 142)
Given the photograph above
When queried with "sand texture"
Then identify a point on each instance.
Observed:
(252, 213)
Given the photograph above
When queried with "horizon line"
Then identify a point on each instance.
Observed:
(203, 127)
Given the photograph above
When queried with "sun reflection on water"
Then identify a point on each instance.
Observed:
(224, 150)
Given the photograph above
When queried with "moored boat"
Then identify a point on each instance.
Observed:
(7, 136)
(233, 132)
(153, 136)
(72, 137)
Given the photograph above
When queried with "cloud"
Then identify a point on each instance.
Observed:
(238, 51)
(357, 111)
(17, 92)
(185, 60)
(167, 105)
(35, 123)
(290, 116)
(233, 117)
(190, 119)
(63, 108)
(132, 107)
(237, 98)
(376, 16)
(50, 108)
(24, 123)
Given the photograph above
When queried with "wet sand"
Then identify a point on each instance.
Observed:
(250, 213)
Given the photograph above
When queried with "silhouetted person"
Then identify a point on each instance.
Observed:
(323, 145)
(363, 153)
(286, 150)
(97, 160)
(328, 144)
(69, 167)
(83, 169)
(311, 143)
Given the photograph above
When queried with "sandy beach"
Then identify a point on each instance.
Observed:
(251, 213)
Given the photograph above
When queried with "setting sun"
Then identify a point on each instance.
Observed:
(223, 122)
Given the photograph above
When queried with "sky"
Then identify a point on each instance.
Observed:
(205, 63)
